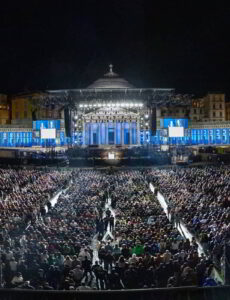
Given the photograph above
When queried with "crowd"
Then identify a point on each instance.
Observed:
(25, 194)
(200, 198)
(54, 251)
(63, 246)
(148, 250)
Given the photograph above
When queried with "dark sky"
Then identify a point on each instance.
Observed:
(69, 44)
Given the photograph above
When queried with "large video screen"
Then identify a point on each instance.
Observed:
(48, 133)
(166, 122)
(176, 131)
(46, 124)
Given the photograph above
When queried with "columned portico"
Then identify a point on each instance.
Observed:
(112, 112)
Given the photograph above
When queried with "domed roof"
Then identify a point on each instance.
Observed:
(110, 80)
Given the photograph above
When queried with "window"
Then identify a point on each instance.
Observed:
(220, 106)
(213, 114)
(194, 111)
(221, 114)
(25, 114)
(17, 116)
(214, 106)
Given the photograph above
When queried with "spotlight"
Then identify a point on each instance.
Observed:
(146, 124)
(146, 116)
(75, 117)
(81, 105)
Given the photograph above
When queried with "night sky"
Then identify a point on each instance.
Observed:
(69, 44)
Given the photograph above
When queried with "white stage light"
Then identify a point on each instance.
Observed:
(140, 104)
(75, 117)
(81, 105)
(146, 124)
(85, 105)
(146, 116)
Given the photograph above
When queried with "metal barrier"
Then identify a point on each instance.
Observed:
(182, 293)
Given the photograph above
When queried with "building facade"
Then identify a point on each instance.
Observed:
(113, 112)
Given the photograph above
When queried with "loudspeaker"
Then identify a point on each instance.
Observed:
(67, 117)
(153, 121)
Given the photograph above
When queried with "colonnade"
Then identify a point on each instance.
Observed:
(111, 133)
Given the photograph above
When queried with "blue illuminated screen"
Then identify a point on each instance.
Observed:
(169, 122)
(46, 124)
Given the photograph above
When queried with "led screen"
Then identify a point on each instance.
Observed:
(46, 124)
(48, 133)
(176, 131)
(166, 122)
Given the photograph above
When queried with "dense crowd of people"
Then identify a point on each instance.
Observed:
(150, 252)
(200, 197)
(66, 246)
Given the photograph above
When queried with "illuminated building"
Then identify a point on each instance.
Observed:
(112, 112)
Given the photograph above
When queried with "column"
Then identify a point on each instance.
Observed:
(106, 132)
(91, 134)
(122, 133)
(115, 133)
(83, 133)
(130, 134)
(138, 133)
(144, 136)
(99, 133)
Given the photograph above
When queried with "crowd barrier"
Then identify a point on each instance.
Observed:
(164, 203)
(181, 293)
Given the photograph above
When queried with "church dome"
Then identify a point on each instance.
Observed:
(110, 80)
